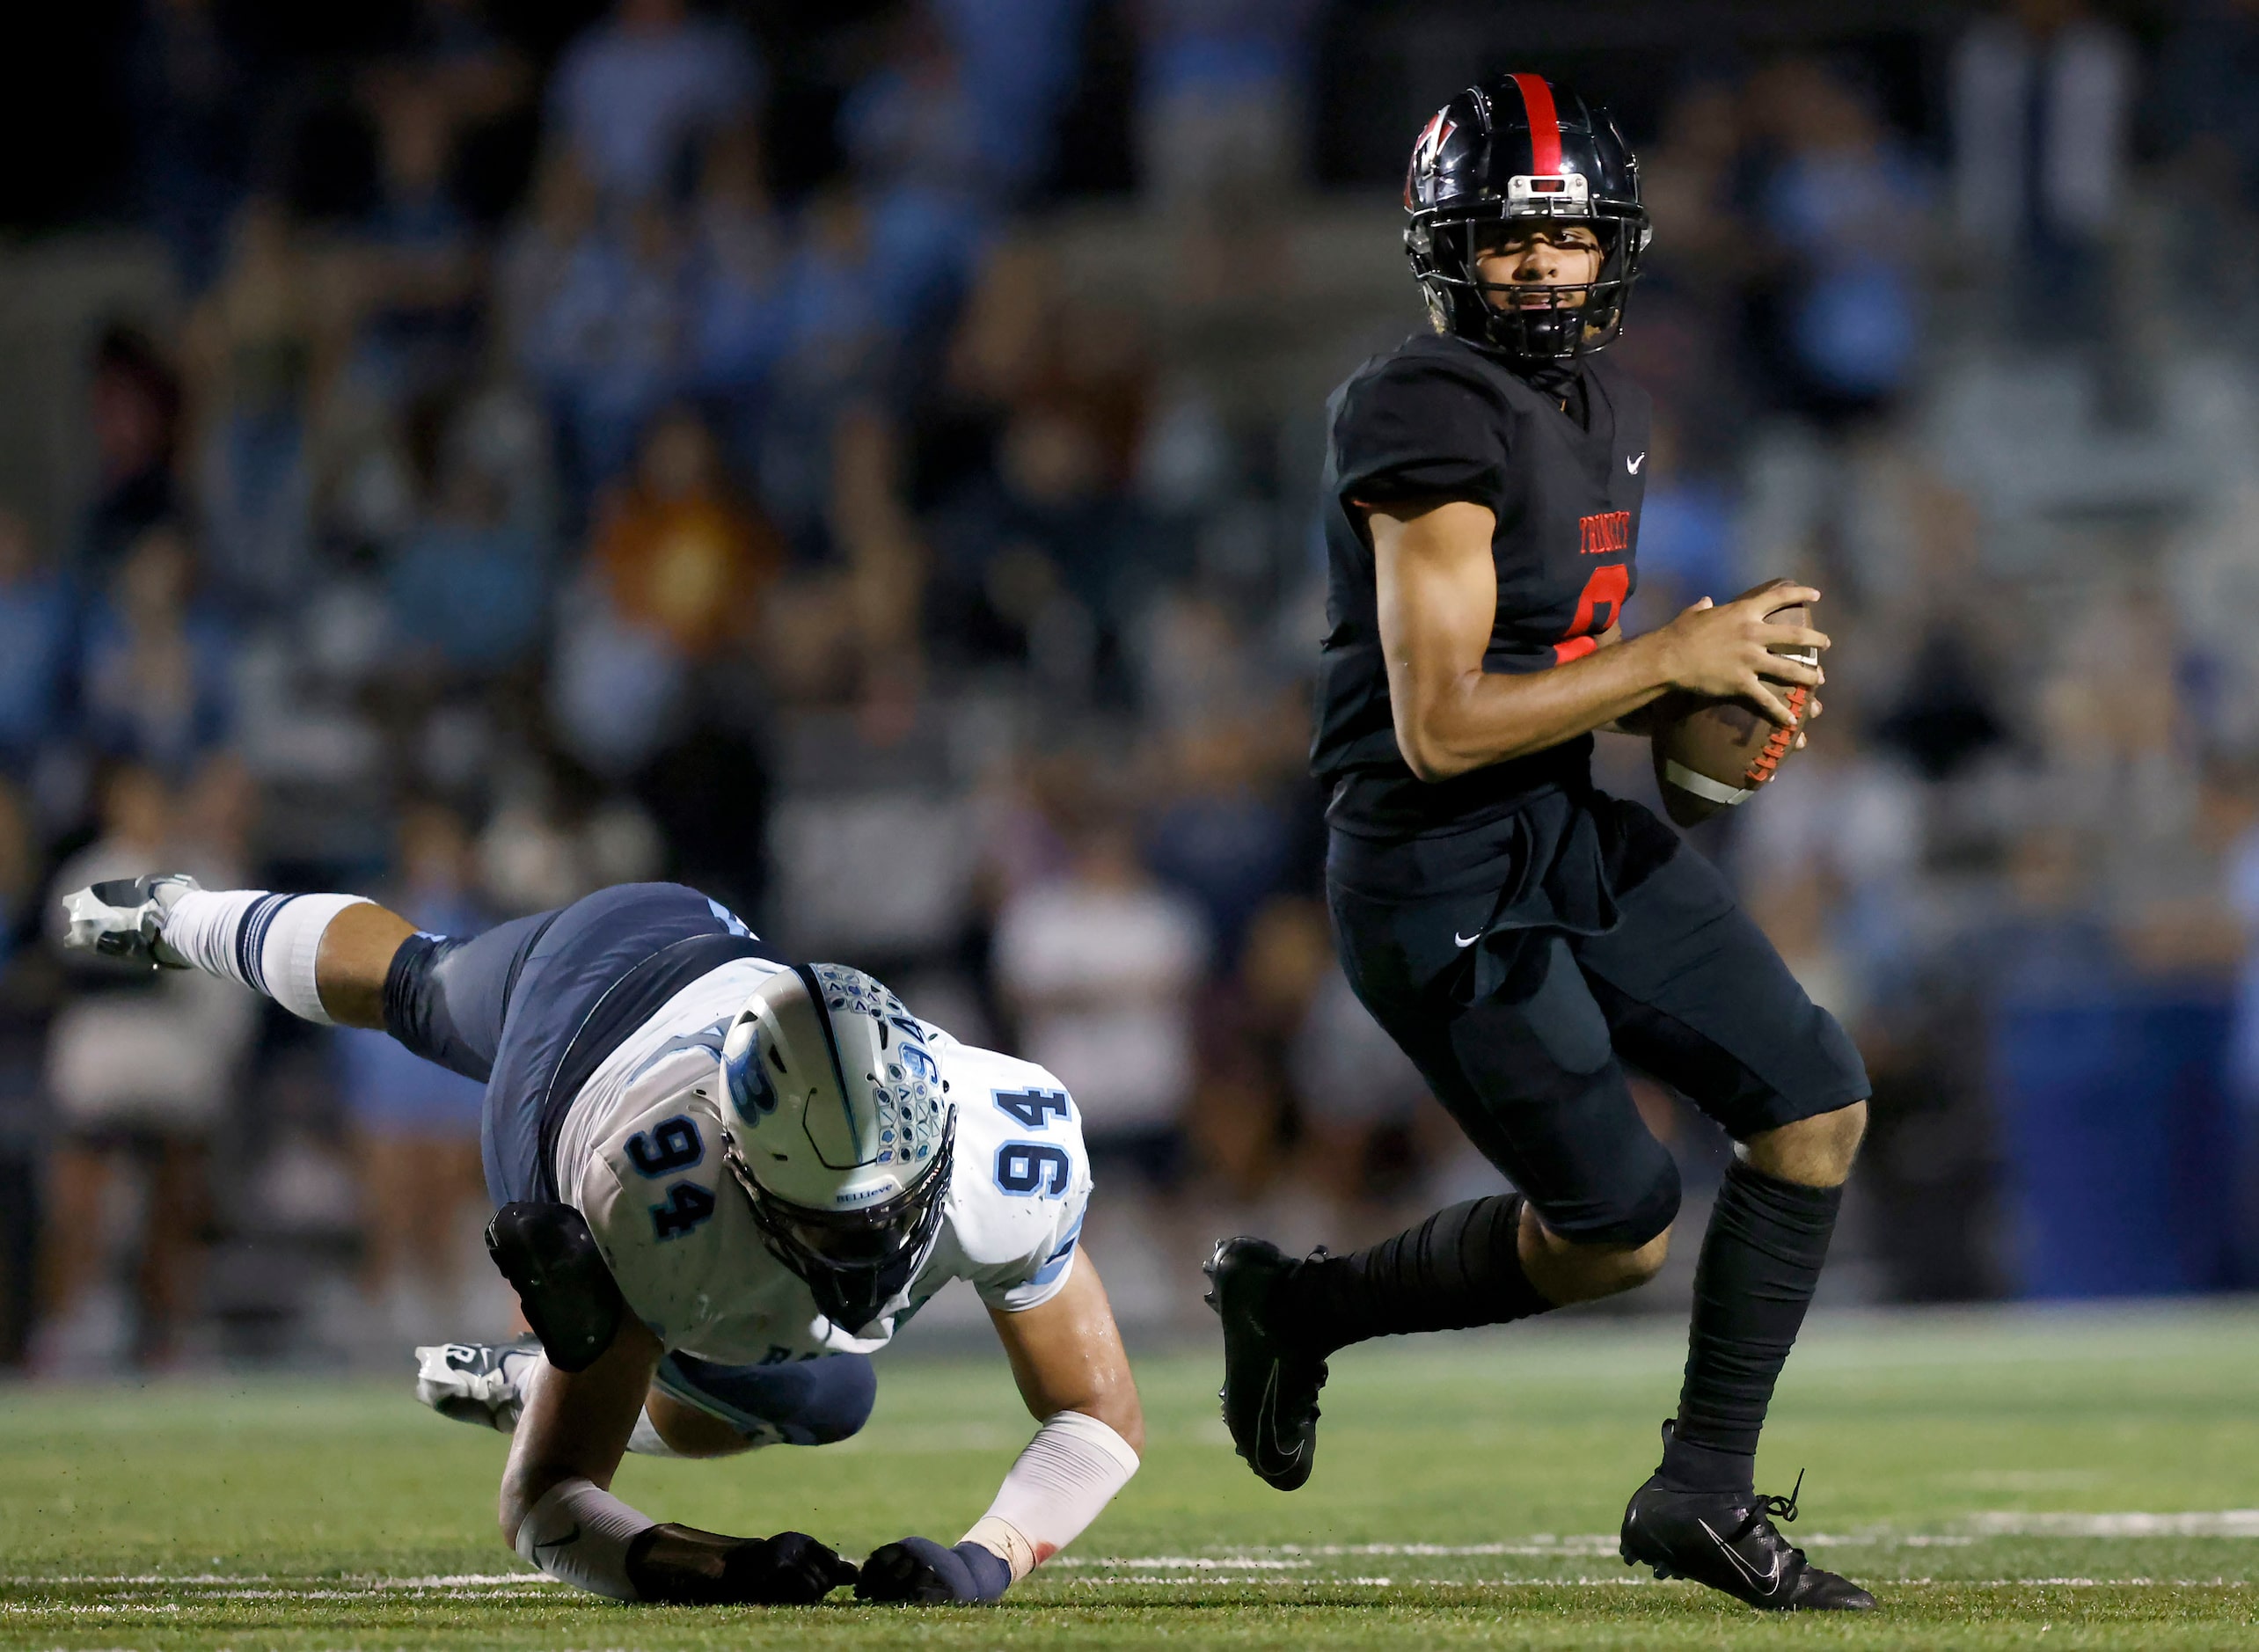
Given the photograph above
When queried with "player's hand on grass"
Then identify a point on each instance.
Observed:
(1726, 651)
(919, 1570)
(684, 1566)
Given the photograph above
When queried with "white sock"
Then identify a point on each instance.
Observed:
(268, 942)
(644, 1440)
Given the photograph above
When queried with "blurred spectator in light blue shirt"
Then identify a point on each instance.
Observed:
(843, 310)
(1225, 839)
(154, 671)
(633, 94)
(27, 993)
(1847, 200)
(466, 586)
(1223, 85)
(256, 350)
(735, 324)
(415, 1124)
(1687, 539)
(1018, 60)
(417, 257)
(2243, 900)
(35, 641)
(2043, 133)
(605, 340)
(911, 131)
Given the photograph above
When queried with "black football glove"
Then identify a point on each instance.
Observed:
(682, 1566)
(919, 1570)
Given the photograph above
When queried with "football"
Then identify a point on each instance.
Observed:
(1711, 755)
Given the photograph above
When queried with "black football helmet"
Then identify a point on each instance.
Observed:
(1522, 148)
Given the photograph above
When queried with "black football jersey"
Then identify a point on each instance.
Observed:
(1440, 420)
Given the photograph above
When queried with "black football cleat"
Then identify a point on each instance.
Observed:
(1270, 1380)
(1727, 1539)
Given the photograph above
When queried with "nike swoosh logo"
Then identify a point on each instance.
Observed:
(1267, 1440)
(1765, 1583)
(1632, 465)
(573, 1536)
(1466, 941)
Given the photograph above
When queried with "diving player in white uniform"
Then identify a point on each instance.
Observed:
(723, 1180)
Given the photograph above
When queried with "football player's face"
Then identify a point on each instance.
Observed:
(1526, 258)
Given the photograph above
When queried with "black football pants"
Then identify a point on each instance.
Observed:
(1684, 985)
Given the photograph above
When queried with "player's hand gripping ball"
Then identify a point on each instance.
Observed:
(918, 1571)
(1714, 754)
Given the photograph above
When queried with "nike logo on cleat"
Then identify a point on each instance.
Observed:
(1266, 1441)
(1765, 1583)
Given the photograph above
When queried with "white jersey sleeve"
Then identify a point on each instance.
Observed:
(1021, 1180)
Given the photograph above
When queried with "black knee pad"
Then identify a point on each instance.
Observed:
(563, 1284)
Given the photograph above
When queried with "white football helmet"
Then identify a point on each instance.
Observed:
(840, 1131)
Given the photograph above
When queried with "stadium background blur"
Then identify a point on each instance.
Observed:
(861, 460)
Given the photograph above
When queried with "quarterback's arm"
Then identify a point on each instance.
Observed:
(558, 1511)
(1067, 1357)
(1438, 597)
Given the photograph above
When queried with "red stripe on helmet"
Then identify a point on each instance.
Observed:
(1544, 124)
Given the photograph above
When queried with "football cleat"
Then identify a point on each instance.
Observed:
(478, 1383)
(1727, 1539)
(1270, 1380)
(125, 918)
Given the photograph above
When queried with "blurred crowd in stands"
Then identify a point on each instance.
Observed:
(783, 458)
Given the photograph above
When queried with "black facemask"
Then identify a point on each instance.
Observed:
(856, 1261)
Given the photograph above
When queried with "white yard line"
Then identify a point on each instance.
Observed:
(2226, 1523)
(1302, 1565)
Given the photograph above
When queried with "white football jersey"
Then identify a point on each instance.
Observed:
(641, 1156)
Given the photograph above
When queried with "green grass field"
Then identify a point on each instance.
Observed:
(2052, 1481)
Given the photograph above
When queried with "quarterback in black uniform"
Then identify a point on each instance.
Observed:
(1515, 929)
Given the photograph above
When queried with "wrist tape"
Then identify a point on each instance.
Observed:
(1069, 1473)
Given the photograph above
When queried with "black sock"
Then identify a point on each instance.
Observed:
(1760, 1262)
(1460, 1268)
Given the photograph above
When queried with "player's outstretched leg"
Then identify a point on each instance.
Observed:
(1699, 1516)
(1282, 1317)
(706, 1410)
